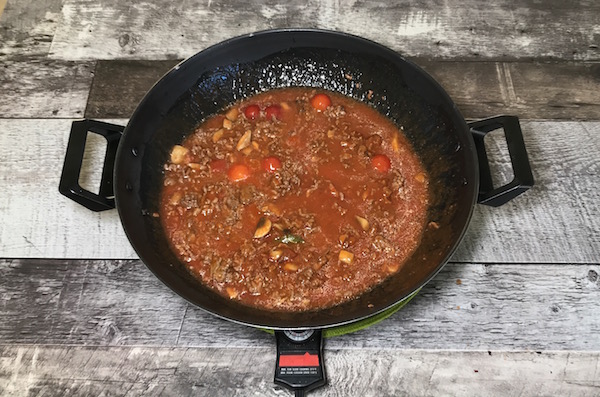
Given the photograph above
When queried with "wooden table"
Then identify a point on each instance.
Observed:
(514, 312)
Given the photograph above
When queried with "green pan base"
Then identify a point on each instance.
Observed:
(362, 324)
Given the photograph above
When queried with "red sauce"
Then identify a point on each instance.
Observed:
(308, 202)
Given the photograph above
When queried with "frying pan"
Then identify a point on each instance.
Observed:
(451, 150)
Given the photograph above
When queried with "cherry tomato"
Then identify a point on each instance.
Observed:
(252, 112)
(218, 165)
(381, 163)
(271, 164)
(320, 102)
(273, 112)
(238, 172)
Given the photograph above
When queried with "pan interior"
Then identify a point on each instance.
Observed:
(223, 74)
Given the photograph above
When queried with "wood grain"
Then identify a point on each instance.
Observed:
(555, 221)
(480, 89)
(39, 88)
(27, 28)
(36, 221)
(466, 307)
(558, 221)
(119, 86)
(141, 371)
(531, 90)
(525, 29)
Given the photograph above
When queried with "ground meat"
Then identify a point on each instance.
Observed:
(285, 181)
(189, 200)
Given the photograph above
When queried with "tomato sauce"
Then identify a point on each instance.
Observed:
(294, 199)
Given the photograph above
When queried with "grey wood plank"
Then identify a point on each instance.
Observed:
(558, 221)
(564, 89)
(64, 302)
(143, 371)
(42, 88)
(505, 29)
(554, 220)
(119, 86)
(27, 27)
(465, 307)
(37, 221)
(38, 88)
(532, 90)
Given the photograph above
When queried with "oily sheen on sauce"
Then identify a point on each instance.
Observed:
(294, 199)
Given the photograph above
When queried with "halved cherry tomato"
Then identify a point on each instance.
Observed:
(238, 172)
(320, 102)
(218, 165)
(252, 112)
(381, 163)
(273, 112)
(271, 164)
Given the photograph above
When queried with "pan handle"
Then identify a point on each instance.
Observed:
(69, 179)
(523, 179)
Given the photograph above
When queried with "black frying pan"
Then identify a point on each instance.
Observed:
(452, 152)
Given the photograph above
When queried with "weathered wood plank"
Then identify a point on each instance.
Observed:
(71, 303)
(119, 86)
(480, 89)
(557, 221)
(569, 90)
(505, 29)
(27, 27)
(142, 371)
(36, 221)
(39, 88)
(466, 307)
(530, 90)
